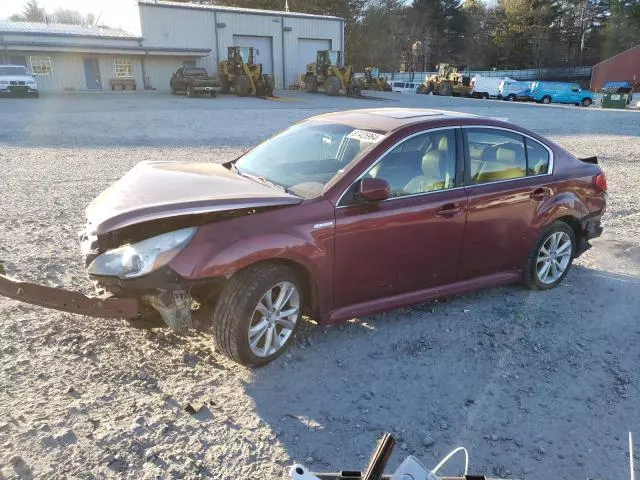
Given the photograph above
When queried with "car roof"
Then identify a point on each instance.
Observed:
(5, 65)
(390, 119)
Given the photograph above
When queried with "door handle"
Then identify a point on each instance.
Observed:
(539, 194)
(449, 210)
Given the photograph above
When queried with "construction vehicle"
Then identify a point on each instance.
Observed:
(448, 81)
(329, 74)
(373, 81)
(240, 73)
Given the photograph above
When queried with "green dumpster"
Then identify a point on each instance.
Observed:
(615, 100)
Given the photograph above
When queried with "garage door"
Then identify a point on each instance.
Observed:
(307, 51)
(262, 50)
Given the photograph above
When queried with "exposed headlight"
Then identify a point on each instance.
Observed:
(31, 82)
(138, 259)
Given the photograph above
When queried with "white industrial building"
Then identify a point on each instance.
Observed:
(173, 34)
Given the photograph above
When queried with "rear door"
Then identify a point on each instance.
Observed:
(507, 177)
(410, 241)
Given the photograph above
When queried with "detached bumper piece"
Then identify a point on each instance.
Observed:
(69, 301)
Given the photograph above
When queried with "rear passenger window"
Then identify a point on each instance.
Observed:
(495, 155)
(537, 158)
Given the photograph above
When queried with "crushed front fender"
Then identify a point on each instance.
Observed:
(69, 301)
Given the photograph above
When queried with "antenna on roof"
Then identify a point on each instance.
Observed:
(286, 5)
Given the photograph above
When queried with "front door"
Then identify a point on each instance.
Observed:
(506, 184)
(410, 241)
(92, 74)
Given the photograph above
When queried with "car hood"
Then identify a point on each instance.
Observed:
(156, 190)
(17, 78)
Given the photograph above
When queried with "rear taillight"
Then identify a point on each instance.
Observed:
(600, 181)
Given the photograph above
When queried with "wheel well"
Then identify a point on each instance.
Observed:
(574, 223)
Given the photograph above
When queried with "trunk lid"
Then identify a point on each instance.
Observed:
(156, 190)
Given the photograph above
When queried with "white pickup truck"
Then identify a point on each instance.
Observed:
(16, 80)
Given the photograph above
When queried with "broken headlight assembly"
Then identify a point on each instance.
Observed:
(141, 258)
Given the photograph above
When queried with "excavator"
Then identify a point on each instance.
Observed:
(328, 73)
(448, 81)
(240, 73)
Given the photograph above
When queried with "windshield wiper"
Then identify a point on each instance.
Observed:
(257, 178)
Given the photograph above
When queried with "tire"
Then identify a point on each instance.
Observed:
(546, 99)
(236, 312)
(243, 87)
(190, 92)
(586, 102)
(332, 86)
(511, 98)
(311, 84)
(535, 276)
(485, 96)
(226, 87)
(446, 89)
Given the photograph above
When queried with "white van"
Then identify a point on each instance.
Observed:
(487, 87)
(404, 87)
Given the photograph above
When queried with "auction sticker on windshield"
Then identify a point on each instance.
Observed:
(365, 136)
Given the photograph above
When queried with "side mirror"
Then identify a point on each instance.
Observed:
(373, 189)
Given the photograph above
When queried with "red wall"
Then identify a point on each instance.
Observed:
(623, 66)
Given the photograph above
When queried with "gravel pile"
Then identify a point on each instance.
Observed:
(535, 385)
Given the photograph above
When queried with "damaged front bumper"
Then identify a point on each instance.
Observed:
(102, 306)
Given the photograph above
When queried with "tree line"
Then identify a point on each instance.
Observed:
(503, 34)
(419, 34)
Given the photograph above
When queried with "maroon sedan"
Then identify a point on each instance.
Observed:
(341, 215)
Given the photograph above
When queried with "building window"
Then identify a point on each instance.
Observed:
(41, 65)
(124, 68)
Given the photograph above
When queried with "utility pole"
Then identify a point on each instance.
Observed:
(286, 5)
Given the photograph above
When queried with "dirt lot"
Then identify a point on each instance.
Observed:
(535, 385)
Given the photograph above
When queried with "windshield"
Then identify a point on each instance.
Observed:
(195, 71)
(17, 70)
(305, 157)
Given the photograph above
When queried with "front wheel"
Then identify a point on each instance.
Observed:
(551, 258)
(546, 100)
(257, 314)
(511, 98)
(586, 102)
(190, 92)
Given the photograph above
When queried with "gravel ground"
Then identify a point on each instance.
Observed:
(535, 385)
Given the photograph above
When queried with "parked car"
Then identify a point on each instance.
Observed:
(560, 92)
(341, 215)
(194, 81)
(16, 80)
(513, 90)
(404, 87)
(487, 87)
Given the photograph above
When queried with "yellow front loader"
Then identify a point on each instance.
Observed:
(240, 73)
(328, 74)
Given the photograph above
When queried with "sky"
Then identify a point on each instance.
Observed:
(114, 13)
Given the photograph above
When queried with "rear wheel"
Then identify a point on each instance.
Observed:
(511, 98)
(257, 314)
(551, 258)
(546, 100)
(332, 86)
(586, 102)
(485, 96)
(446, 89)
(311, 84)
(190, 92)
(243, 87)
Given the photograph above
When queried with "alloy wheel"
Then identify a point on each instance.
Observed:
(553, 257)
(274, 319)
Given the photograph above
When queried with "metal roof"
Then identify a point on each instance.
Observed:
(218, 8)
(58, 29)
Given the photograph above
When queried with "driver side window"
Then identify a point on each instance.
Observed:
(423, 163)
